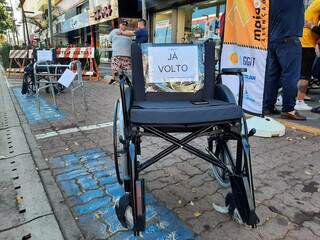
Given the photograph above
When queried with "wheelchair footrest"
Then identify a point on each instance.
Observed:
(140, 207)
(242, 199)
(121, 207)
(131, 208)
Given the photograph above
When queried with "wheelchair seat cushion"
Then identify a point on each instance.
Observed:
(183, 112)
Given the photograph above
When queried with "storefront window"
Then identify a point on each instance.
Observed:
(197, 23)
(163, 27)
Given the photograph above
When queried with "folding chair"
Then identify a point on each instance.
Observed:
(198, 107)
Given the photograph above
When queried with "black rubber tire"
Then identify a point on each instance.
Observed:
(116, 142)
(221, 175)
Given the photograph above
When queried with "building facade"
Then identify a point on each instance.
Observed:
(88, 22)
(185, 21)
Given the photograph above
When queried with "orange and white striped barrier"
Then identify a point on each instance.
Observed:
(20, 58)
(77, 53)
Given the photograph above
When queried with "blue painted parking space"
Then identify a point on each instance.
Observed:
(29, 107)
(87, 180)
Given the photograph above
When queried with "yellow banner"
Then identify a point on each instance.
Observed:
(247, 23)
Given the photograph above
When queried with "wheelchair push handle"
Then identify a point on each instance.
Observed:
(234, 72)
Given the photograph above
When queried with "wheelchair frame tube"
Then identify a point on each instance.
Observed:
(241, 83)
(188, 148)
(170, 149)
(76, 63)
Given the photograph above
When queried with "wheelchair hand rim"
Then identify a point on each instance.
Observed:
(117, 139)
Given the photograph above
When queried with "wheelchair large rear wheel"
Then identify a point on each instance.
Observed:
(223, 152)
(28, 84)
(119, 154)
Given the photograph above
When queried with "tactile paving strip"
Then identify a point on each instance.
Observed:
(28, 104)
(89, 184)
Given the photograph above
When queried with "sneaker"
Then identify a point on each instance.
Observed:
(112, 81)
(279, 101)
(302, 106)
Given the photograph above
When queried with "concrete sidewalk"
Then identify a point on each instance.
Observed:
(312, 125)
(286, 176)
(25, 210)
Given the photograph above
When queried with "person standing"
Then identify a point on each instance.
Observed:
(141, 33)
(284, 56)
(208, 28)
(121, 50)
(309, 40)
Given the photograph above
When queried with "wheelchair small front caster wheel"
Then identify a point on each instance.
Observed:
(124, 211)
(232, 208)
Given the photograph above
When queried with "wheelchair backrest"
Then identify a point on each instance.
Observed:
(45, 55)
(162, 72)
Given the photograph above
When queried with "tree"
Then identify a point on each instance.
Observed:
(41, 22)
(6, 22)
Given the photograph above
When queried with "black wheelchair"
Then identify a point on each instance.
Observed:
(29, 83)
(196, 109)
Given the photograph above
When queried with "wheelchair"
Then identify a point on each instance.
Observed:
(29, 83)
(196, 109)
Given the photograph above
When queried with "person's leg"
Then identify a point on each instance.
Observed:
(302, 89)
(114, 68)
(308, 56)
(272, 80)
(290, 55)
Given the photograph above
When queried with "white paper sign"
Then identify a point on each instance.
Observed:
(173, 64)
(67, 78)
(44, 55)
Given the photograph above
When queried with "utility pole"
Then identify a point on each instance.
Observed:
(23, 28)
(25, 24)
(144, 10)
(50, 23)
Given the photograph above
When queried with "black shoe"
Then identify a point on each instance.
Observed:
(112, 81)
(316, 110)
(272, 111)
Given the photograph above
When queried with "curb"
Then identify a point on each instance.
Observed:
(300, 127)
(64, 218)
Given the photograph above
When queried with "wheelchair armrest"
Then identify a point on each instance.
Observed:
(223, 93)
(234, 72)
